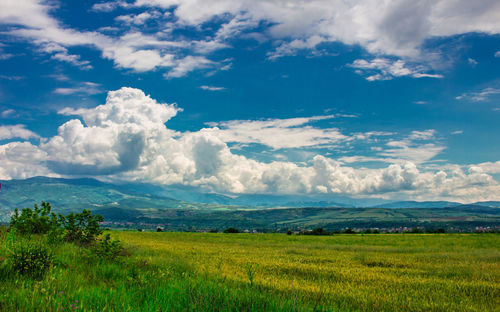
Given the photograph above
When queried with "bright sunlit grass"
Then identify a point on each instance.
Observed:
(255, 272)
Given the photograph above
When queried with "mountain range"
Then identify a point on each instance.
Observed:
(189, 205)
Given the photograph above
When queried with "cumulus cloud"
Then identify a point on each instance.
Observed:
(497, 54)
(126, 139)
(21, 160)
(15, 131)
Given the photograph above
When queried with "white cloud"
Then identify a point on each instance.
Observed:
(490, 167)
(22, 160)
(397, 27)
(212, 88)
(133, 49)
(126, 139)
(109, 6)
(12, 78)
(7, 113)
(497, 54)
(480, 96)
(15, 131)
(386, 69)
(457, 132)
(412, 148)
(472, 62)
(188, 64)
(391, 27)
(81, 88)
(278, 133)
(138, 19)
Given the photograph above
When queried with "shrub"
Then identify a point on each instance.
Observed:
(108, 249)
(82, 227)
(231, 230)
(31, 259)
(39, 220)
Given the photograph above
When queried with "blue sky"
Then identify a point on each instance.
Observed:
(399, 100)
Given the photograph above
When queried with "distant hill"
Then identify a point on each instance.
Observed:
(488, 204)
(68, 195)
(416, 204)
(181, 207)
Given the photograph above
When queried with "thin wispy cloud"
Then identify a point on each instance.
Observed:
(212, 88)
(88, 88)
(480, 96)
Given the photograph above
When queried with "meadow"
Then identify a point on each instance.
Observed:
(174, 271)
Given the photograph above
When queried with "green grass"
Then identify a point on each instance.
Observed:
(210, 272)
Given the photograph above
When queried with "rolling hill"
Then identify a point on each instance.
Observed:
(180, 208)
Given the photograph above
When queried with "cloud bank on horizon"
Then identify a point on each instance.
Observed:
(400, 53)
(126, 139)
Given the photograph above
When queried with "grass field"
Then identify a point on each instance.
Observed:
(267, 272)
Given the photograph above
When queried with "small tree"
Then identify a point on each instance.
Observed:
(40, 220)
(231, 230)
(82, 227)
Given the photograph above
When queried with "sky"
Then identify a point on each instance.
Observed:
(393, 99)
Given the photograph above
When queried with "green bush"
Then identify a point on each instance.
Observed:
(231, 230)
(40, 220)
(33, 259)
(82, 227)
(108, 249)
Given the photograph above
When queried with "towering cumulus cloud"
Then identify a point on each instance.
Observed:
(127, 139)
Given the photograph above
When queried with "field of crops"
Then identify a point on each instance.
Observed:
(268, 272)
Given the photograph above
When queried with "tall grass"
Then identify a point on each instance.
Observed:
(267, 272)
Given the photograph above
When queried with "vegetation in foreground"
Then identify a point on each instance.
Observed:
(250, 272)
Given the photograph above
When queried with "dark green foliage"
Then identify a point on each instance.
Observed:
(33, 259)
(231, 230)
(289, 232)
(39, 220)
(108, 249)
(316, 231)
(82, 227)
(416, 230)
(349, 231)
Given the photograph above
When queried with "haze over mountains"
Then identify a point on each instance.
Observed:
(75, 194)
(188, 208)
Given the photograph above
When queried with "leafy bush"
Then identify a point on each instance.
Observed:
(39, 220)
(231, 230)
(82, 227)
(108, 249)
(31, 259)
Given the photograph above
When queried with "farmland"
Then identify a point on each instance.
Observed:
(174, 271)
